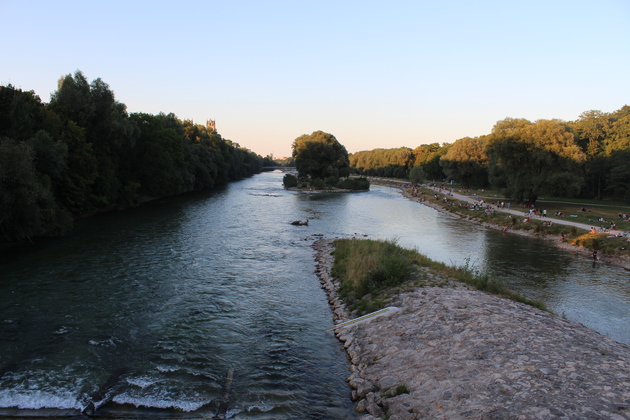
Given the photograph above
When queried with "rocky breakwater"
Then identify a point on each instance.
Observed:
(456, 353)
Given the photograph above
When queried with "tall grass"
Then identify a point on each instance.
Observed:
(468, 274)
(368, 268)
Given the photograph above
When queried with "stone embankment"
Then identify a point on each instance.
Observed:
(456, 353)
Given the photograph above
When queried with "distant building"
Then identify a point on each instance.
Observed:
(211, 125)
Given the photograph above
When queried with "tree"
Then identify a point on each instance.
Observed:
(428, 156)
(27, 205)
(83, 154)
(319, 155)
(289, 181)
(383, 162)
(75, 191)
(466, 162)
(591, 132)
(21, 113)
(93, 107)
(618, 184)
(532, 159)
(416, 174)
(159, 157)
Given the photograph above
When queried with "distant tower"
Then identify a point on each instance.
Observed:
(211, 125)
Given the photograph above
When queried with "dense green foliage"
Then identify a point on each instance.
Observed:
(319, 155)
(82, 154)
(289, 181)
(466, 161)
(586, 158)
(534, 159)
(605, 139)
(416, 174)
(396, 163)
(330, 183)
(355, 184)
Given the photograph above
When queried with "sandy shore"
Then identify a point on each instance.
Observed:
(456, 353)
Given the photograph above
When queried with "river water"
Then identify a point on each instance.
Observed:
(142, 313)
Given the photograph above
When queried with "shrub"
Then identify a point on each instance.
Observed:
(289, 181)
(355, 184)
(416, 174)
(317, 183)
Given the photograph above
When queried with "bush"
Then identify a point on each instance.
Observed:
(355, 184)
(289, 181)
(416, 174)
(331, 181)
(317, 183)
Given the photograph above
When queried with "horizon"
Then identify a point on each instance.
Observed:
(374, 75)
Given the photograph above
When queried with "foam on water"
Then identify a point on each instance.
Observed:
(260, 406)
(141, 382)
(36, 399)
(160, 401)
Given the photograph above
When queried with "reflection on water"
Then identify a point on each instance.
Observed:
(143, 312)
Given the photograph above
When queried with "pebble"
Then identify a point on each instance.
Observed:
(466, 354)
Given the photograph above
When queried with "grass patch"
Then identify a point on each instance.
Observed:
(603, 242)
(368, 267)
(595, 209)
(371, 270)
(482, 281)
(394, 392)
(536, 226)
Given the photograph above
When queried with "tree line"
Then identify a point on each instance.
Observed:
(398, 162)
(585, 158)
(82, 154)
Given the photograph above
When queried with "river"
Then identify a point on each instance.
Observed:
(143, 312)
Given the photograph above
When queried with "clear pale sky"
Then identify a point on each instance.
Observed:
(376, 74)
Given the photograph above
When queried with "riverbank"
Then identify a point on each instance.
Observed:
(451, 352)
(622, 261)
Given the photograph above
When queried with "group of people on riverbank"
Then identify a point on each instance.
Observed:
(535, 212)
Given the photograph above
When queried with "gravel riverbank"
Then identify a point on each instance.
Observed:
(456, 353)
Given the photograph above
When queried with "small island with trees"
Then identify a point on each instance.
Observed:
(322, 164)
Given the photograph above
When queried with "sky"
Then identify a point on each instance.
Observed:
(375, 74)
